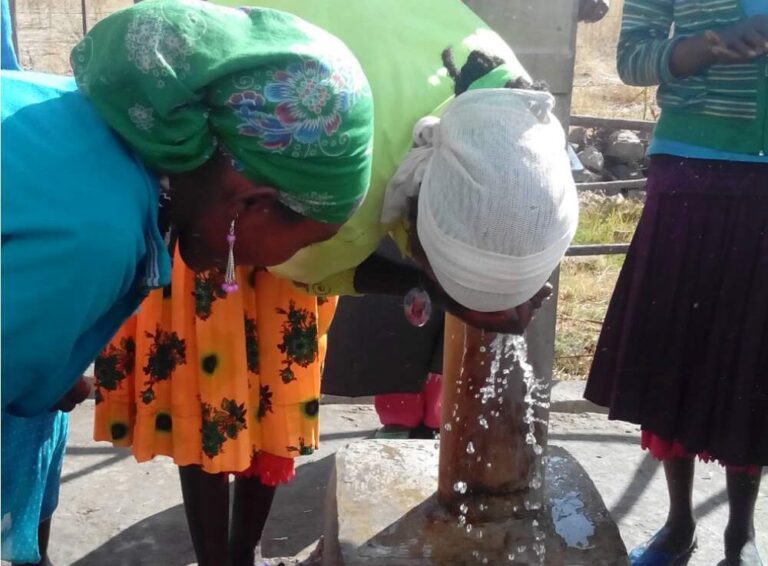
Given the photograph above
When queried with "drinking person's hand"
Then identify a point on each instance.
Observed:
(511, 321)
(74, 396)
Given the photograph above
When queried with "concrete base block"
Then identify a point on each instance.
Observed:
(382, 511)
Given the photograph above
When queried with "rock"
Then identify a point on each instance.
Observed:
(624, 172)
(625, 147)
(592, 159)
(579, 137)
(382, 511)
(587, 176)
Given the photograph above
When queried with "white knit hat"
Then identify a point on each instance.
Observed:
(497, 201)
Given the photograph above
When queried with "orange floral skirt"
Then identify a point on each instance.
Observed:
(229, 382)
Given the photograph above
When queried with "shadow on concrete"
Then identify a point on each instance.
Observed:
(95, 450)
(356, 434)
(105, 463)
(641, 479)
(159, 539)
(706, 507)
(296, 521)
(297, 515)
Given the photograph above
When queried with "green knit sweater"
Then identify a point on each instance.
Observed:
(724, 107)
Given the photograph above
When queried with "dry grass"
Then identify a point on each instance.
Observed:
(586, 283)
(585, 289)
(597, 89)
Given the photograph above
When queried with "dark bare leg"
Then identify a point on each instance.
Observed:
(206, 502)
(253, 501)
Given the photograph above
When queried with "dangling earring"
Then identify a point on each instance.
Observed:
(230, 282)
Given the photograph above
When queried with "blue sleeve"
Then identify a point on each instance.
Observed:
(9, 60)
(76, 210)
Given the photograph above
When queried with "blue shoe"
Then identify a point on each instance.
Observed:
(646, 555)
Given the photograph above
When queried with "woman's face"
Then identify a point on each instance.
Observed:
(267, 233)
(511, 321)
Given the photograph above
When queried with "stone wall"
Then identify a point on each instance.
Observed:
(48, 29)
(609, 154)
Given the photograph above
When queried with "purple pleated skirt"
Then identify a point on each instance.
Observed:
(684, 347)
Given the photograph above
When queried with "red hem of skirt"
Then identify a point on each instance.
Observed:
(662, 450)
(270, 469)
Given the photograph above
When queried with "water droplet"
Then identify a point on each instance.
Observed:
(532, 505)
(470, 448)
(463, 508)
(460, 487)
(447, 427)
(469, 527)
(482, 422)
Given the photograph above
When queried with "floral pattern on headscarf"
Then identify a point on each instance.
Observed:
(182, 79)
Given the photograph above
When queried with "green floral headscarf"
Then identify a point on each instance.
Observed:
(287, 101)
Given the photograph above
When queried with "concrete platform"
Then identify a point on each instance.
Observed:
(383, 512)
(115, 512)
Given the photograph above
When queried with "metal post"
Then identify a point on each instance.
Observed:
(14, 33)
(84, 13)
